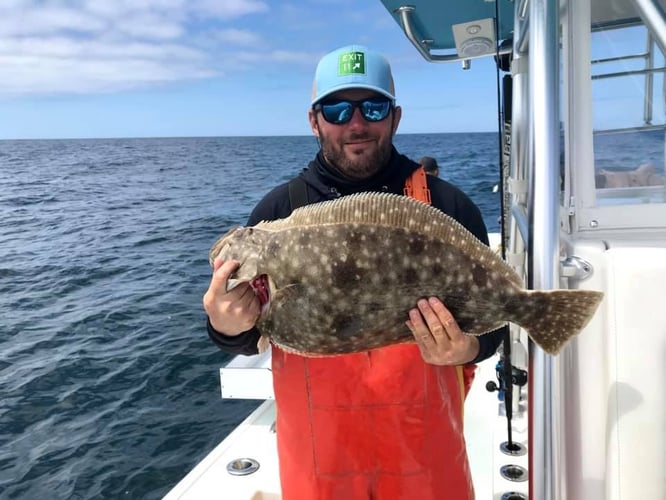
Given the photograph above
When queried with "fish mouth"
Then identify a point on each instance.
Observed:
(262, 289)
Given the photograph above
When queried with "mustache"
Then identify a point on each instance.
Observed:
(359, 137)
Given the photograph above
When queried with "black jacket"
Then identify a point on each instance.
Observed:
(325, 183)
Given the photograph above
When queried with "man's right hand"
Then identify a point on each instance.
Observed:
(233, 312)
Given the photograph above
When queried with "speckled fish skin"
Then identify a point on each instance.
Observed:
(343, 275)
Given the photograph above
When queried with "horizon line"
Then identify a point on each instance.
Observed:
(213, 136)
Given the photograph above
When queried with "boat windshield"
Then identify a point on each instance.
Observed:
(628, 116)
(613, 110)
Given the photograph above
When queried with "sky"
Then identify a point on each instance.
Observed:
(181, 68)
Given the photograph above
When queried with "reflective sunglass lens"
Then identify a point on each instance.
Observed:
(375, 111)
(340, 112)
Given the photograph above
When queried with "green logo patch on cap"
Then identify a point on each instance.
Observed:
(351, 63)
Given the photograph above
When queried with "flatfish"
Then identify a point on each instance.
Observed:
(340, 277)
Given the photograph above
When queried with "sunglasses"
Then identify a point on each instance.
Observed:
(339, 112)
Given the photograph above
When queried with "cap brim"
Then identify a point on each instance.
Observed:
(350, 87)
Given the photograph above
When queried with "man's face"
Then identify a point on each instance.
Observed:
(358, 148)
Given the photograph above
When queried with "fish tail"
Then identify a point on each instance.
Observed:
(553, 317)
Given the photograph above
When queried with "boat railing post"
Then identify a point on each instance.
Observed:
(546, 458)
(518, 233)
(654, 18)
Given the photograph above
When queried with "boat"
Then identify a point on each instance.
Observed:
(578, 79)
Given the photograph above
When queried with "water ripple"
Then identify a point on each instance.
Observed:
(108, 383)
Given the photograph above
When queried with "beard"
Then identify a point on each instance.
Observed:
(357, 165)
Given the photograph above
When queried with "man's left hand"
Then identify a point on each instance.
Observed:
(438, 335)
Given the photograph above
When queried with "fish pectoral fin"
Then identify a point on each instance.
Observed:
(263, 344)
(287, 291)
(245, 273)
(234, 282)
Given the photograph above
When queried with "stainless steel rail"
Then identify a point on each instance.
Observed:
(423, 45)
(653, 16)
(546, 458)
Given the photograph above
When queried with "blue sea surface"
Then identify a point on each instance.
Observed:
(108, 382)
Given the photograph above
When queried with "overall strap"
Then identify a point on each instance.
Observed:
(416, 186)
(298, 193)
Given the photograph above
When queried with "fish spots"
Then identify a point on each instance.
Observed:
(366, 298)
(345, 281)
(343, 323)
(354, 239)
(304, 238)
(416, 246)
(347, 274)
(514, 309)
(479, 276)
(273, 248)
(407, 276)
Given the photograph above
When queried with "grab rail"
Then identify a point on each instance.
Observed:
(422, 45)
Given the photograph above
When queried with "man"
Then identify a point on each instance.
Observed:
(430, 166)
(382, 424)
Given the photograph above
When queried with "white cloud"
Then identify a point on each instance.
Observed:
(61, 64)
(74, 46)
(228, 9)
(248, 58)
(150, 26)
(65, 48)
(46, 21)
(239, 37)
(36, 75)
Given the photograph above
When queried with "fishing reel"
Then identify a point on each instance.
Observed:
(518, 378)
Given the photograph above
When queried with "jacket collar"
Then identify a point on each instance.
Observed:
(331, 183)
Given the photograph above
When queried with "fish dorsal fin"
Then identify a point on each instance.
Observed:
(392, 210)
(377, 209)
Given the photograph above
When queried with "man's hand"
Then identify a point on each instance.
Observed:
(234, 312)
(438, 335)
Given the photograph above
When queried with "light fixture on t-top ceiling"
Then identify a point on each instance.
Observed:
(475, 38)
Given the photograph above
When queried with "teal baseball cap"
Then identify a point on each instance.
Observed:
(352, 67)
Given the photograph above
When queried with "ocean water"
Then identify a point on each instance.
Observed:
(109, 384)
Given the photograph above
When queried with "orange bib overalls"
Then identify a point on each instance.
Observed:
(380, 425)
